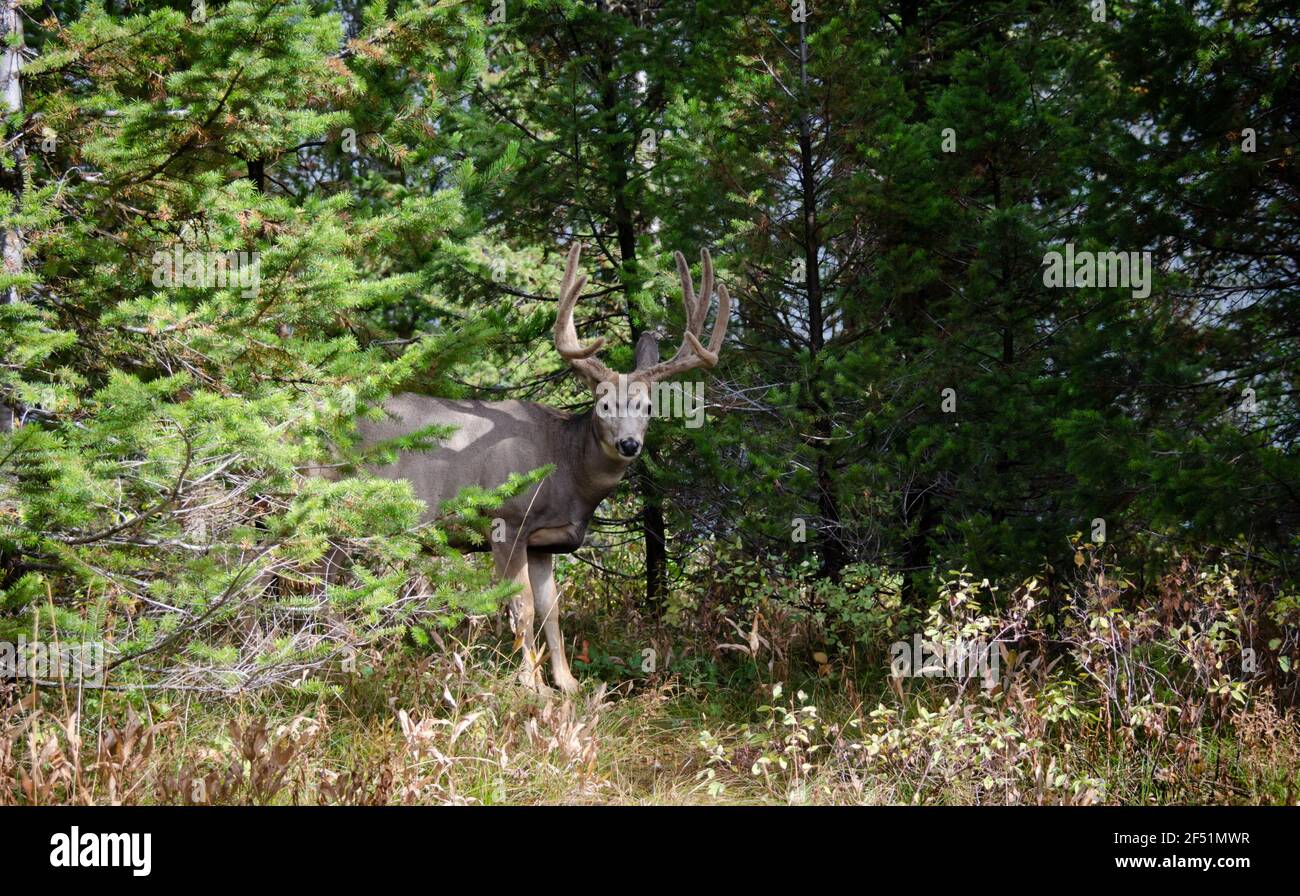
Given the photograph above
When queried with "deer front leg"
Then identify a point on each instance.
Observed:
(512, 565)
(547, 604)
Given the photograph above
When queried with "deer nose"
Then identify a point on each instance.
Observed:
(628, 447)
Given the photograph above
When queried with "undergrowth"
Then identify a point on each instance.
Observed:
(753, 696)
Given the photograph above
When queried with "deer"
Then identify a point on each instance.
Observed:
(590, 453)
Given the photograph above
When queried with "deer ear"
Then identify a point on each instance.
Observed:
(647, 350)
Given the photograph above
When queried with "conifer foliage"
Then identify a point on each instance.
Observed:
(231, 228)
(210, 205)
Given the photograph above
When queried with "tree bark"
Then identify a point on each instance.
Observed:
(652, 513)
(11, 240)
(257, 174)
(830, 537)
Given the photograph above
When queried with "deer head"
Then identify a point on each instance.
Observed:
(624, 401)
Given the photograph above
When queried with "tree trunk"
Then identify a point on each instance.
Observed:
(830, 537)
(652, 513)
(257, 174)
(11, 240)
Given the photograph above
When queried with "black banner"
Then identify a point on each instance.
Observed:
(220, 846)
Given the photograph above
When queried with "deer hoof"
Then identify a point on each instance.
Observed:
(566, 683)
(531, 678)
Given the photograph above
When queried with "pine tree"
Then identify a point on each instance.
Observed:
(588, 95)
(208, 308)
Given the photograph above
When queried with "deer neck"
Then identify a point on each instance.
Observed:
(595, 473)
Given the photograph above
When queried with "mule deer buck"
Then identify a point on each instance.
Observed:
(590, 452)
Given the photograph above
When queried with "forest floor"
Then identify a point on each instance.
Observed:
(452, 726)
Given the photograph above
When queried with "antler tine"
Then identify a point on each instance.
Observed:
(706, 292)
(710, 355)
(692, 354)
(579, 356)
(566, 334)
(696, 308)
(688, 287)
(570, 267)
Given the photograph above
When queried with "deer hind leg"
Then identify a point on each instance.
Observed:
(547, 604)
(512, 565)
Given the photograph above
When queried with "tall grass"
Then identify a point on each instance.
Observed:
(1104, 695)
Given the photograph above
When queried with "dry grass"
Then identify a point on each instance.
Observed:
(1122, 702)
(484, 741)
